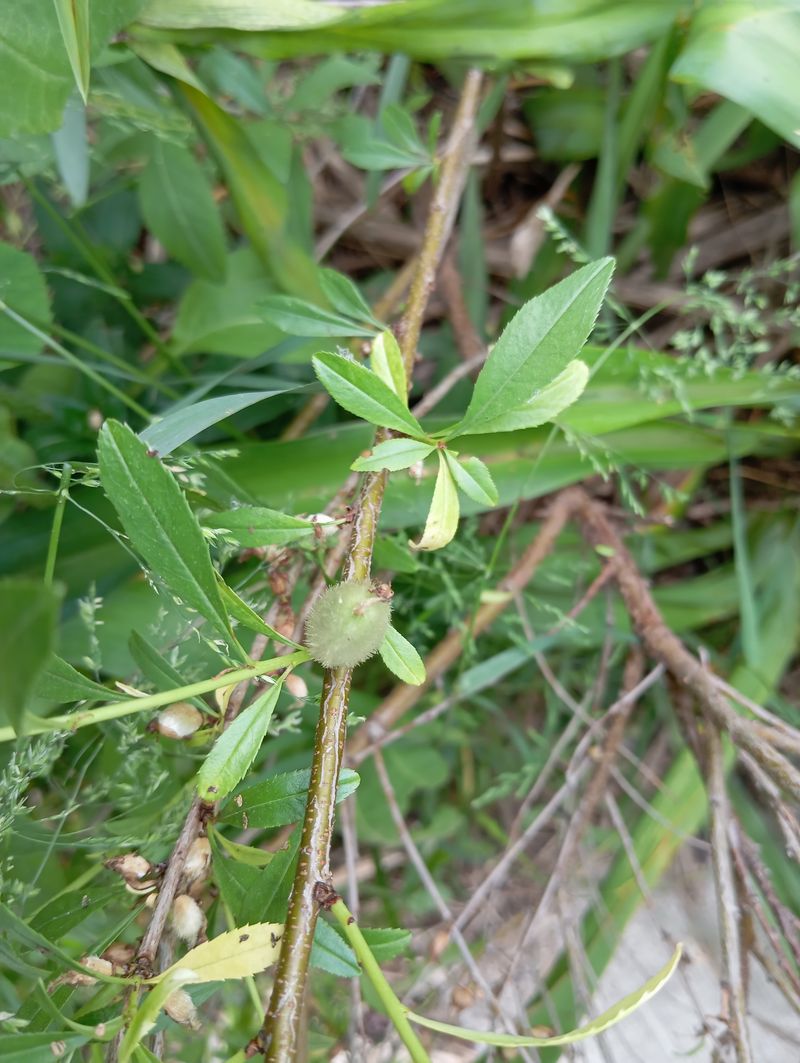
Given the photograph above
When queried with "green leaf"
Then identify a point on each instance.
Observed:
(178, 427)
(442, 522)
(386, 360)
(597, 1026)
(163, 56)
(61, 683)
(159, 522)
(386, 942)
(402, 659)
(537, 345)
(28, 614)
(237, 747)
(38, 1047)
(258, 893)
(545, 405)
(241, 611)
(344, 296)
(364, 394)
(157, 669)
(179, 209)
(36, 75)
(281, 799)
(73, 21)
(244, 15)
(258, 526)
(473, 478)
(747, 51)
(71, 150)
(243, 854)
(61, 914)
(393, 454)
(331, 953)
(23, 289)
(297, 317)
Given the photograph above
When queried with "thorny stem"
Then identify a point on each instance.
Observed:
(281, 1028)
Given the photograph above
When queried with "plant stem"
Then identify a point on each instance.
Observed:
(394, 1009)
(86, 717)
(280, 1033)
(58, 518)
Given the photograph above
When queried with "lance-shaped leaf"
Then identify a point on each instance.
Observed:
(298, 317)
(402, 659)
(393, 454)
(364, 394)
(239, 610)
(73, 21)
(442, 522)
(236, 748)
(159, 522)
(546, 404)
(538, 344)
(259, 526)
(591, 1029)
(282, 798)
(235, 954)
(474, 479)
(386, 360)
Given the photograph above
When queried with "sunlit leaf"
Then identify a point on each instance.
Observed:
(401, 658)
(442, 522)
(597, 1026)
(473, 478)
(237, 747)
(386, 360)
(393, 454)
(364, 394)
(235, 954)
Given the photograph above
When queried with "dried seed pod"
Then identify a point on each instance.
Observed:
(131, 866)
(119, 955)
(347, 624)
(98, 964)
(197, 860)
(188, 918)
(180, 1007)
(296, 685)
(179, 720)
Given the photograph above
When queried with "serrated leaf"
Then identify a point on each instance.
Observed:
(241, 611)
(179, 209)
(331, 953)
(546, 404)
(393, 454)
(159, 522)
(386, 942)
(62, 683)
(256, 894)
(474, 479)
(364, 394)
(282, 798)
(442, 522)
(258, 526)
(297, 317)
(28, 614)
(402, 659)
(181, 425)
(538, 344)
(386, 360)
(597, 1026)
(236, 748)
(234, 954)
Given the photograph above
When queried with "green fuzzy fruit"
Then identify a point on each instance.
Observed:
(347, 624)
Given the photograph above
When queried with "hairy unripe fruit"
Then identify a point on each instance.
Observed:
(347, 624)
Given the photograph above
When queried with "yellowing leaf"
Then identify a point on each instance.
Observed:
(442, 522)
(235, 954)
(591, 1029)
